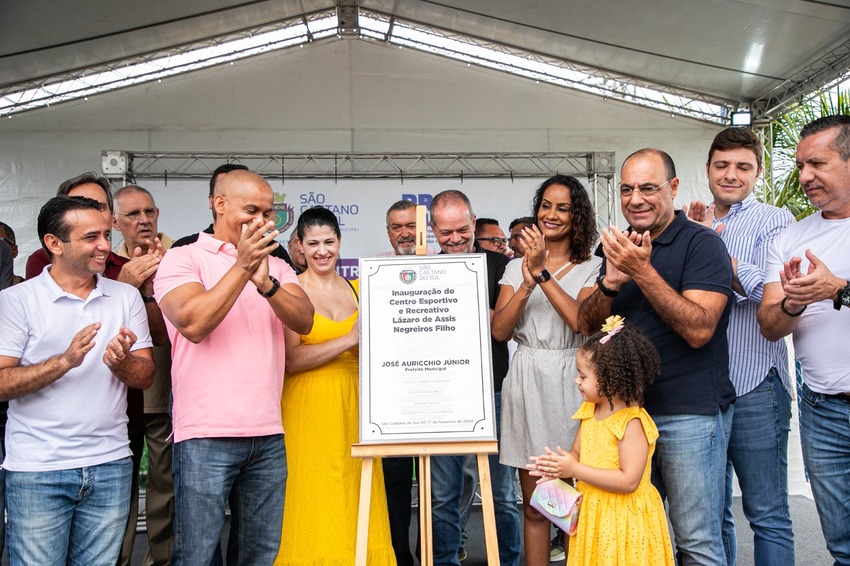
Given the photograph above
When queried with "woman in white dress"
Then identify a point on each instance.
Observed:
(538, 307)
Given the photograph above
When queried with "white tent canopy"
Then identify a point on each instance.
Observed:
(759, 53)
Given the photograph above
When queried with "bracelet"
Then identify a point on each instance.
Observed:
(605, 290)
(789, 313)
(148, 298)
(270, 293)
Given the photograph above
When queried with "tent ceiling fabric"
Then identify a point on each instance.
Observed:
(732, 49)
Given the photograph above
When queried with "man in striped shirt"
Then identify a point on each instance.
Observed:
(758, 444)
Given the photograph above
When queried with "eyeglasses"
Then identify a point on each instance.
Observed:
(495, 240)
(136, 214)
(647, 190)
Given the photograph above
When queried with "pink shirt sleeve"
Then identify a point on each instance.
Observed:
(176, 268)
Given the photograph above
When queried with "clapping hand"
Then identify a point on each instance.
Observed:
(551, 465)
(119, 347)
(254, 247)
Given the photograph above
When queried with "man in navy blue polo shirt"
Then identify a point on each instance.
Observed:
(672, 278)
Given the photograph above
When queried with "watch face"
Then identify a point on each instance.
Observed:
(844, 296)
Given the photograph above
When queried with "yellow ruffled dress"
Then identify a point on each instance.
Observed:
(618, 529)
(320, 418)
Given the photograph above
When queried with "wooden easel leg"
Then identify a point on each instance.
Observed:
(489, 514)
(363, 513)
(426, 550)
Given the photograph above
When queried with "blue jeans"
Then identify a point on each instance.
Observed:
(205, 469)
(398, 482)
(446, 489)
(758, 451)
(75, 517)
(689, 470)
(825, 436)
(467, 497)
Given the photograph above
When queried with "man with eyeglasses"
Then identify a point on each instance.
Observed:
(672, 278)
(490, 236)
(136, 217)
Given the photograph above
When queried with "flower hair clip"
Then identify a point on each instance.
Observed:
(612, 325)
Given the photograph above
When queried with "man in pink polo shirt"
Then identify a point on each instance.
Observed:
(225, 303)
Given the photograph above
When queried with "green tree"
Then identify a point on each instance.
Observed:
(782, 179)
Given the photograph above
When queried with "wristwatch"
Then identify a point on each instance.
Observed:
(147, 298)
(842, 298)
(270, 293)
(543, 276)
(605, 290)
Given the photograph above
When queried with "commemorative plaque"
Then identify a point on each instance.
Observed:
(425, 364)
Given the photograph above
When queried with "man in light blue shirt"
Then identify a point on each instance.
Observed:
(758, 445)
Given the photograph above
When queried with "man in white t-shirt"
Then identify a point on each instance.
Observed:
(71, 342)
(807, 294)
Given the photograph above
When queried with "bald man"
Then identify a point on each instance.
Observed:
(226, 302)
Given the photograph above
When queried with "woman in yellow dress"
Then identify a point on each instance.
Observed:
(320, 418)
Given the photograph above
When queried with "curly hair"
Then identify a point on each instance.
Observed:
(584, 230)
(625, 365)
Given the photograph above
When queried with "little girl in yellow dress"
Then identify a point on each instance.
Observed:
(621, 517)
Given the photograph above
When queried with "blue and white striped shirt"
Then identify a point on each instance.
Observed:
(750, 226)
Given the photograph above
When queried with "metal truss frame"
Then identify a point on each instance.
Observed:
(820, 76)
(87, 81)
(352, 22)
(569, 74)
(598, 167)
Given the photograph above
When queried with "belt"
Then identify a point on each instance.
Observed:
(840, 396)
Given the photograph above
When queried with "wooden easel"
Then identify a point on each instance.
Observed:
(424, 451)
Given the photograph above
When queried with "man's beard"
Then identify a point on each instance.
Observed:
(406, 246)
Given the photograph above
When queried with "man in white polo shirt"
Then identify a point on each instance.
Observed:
(71, 341)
